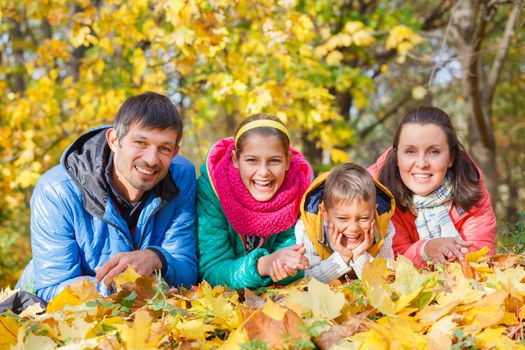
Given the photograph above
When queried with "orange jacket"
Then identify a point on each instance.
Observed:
(478, 225)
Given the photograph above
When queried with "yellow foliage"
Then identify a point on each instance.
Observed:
(143, 334)
(339, 156)
(8, 332)
(403, 39)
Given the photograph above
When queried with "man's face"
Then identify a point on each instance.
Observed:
(141, 158)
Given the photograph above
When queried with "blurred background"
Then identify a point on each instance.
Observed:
(340, 73)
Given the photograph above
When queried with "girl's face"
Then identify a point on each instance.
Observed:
(262, 163)
(423, 157)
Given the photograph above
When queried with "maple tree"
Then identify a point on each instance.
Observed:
(66, 66)
(479, 303)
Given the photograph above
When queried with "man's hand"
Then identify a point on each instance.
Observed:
(444, 249)
(144, 261)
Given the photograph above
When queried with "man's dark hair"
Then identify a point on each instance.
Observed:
(149, 110)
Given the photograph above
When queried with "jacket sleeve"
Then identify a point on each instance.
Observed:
(179, 245)
(480, 227)
(218, 262)
(406, 242)
(56, 256)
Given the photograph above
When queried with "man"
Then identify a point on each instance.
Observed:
(120, 196)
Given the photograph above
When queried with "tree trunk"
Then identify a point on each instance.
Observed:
(469, 22)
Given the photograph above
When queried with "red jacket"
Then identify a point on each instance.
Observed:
(478, 225)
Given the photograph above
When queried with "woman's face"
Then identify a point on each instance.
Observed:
(423, 157)
(262, 163)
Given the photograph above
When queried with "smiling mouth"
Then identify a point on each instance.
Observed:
(421, 177)
(145, 171)
(262, 184)
(350, 239)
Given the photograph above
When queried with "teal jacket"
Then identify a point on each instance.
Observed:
(222, 257)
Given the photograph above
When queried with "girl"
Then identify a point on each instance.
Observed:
(248, 201)
(443, 209)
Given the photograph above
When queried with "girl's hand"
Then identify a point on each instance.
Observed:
(335, 241)
(291, 258)
(445, 249)
(280, 271)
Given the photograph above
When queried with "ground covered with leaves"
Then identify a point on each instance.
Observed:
(475, 305)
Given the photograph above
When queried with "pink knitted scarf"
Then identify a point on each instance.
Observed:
(248, 216)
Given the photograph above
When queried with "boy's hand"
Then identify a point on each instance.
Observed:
(335, 241)
(365, 244)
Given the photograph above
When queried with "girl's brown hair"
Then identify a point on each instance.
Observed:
(265, 131)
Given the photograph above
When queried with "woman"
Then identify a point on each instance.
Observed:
(249, 194)
(443, 208)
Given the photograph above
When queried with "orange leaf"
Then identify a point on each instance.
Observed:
(271, 331)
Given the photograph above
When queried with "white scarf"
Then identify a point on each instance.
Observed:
(433, 219)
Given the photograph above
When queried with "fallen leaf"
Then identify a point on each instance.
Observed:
(143, 333)
(273, 332)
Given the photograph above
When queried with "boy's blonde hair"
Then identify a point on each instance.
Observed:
(346, 183)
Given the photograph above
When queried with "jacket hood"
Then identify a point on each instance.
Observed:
(313, 222)
(86, 159)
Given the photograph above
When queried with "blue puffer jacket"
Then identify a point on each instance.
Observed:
(75, 227)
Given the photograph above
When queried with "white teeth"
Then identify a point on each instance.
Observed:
(144, 171)
(261, 183)
(421, 176)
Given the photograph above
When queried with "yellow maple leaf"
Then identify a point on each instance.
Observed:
(374, 273)
(477, 255)
(194, 329)
(236, 338)
(273, 310)
(432, 313)
(488, 311)
(441, 333)
(73, 327)
(325, 302)
(75, 294)
(495, 338)
(510, 279)
(8, 332)
(380, 298)
(128, 276)
(143, 334)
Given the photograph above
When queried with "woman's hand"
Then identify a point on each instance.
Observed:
(283, 263)
(445, 249)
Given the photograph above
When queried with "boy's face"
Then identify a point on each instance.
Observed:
(353, 219)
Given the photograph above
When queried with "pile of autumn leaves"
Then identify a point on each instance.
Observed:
(478, 304)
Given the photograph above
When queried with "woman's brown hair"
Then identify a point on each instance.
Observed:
(465, 178)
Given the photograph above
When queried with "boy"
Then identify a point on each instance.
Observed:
(345, 221)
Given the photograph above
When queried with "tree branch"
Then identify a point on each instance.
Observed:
(495, 71)
(364, 133)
